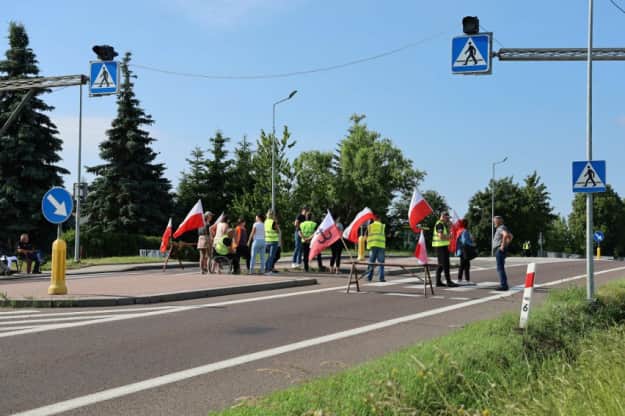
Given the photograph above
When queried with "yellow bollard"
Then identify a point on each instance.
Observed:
(361, 247)
(598, 252)
(57, 281)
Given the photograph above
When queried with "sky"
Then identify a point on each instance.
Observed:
(453, 127)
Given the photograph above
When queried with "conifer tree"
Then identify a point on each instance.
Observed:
(29, 150)
(129, 194)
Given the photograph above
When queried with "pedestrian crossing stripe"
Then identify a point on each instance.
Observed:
(589, 178)
(470, 53)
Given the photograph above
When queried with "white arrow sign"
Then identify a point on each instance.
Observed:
(59, 207)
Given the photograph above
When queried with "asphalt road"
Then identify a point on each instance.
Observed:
(191, 357)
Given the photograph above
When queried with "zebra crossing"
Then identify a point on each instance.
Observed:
(448, 293)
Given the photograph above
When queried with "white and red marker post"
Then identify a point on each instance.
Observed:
(527, 295)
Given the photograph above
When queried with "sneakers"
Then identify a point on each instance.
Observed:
(502, 288)
(452, 284)
(440, 284)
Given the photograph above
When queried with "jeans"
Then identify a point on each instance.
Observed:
(271, 258)
(501, 267)
(258, 249)
(297, 252)
(377, 254)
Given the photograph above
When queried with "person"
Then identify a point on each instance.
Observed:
(272, 239)
(297, 251)
(221, 227)
(376, 243)
(242, 249)
(256, 240)
(223, 247)
(26, 251)
(204, 242)
(337, 249)
(501, 242)
(440, 243)
(526, 248)
(278, 252)
(307, 231)
(464, 241)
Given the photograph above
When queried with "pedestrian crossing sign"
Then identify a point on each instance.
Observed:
(471, 54)
(589, 176)
(104, 78)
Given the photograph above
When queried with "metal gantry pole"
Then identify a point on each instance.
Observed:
(590, 284)
(492, 212)
(78, 189)
(273, 162)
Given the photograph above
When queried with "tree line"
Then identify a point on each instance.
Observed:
(131, 196)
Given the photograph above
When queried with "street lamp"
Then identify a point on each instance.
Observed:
(492, 203)
(273, 151)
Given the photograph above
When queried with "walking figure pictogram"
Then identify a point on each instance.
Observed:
(471, 52)
(590, 176)
(105, 78)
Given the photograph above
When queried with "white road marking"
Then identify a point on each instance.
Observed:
(18, 313)
(413, 295)
(175, 377)
(458, 298)
(91, 312)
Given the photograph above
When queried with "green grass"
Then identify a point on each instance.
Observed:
(569, 362)
(71, 264)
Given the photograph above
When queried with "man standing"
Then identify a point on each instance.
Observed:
(297, 252)
(376, 242)
(440, 243)
(501, 241)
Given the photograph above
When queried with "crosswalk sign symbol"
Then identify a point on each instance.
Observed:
(471, 54)
(104, 79)
(589, 176)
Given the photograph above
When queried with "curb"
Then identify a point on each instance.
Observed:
(156, 298)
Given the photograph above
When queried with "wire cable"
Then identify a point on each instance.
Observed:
(295, 73)
(617, 6)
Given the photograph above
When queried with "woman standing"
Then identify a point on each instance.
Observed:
(464, 244)
(204, 242)
(337, 249)
(257, 242)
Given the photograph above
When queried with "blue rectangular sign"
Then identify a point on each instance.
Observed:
(589, 176)
(104, 77)
(471, 54)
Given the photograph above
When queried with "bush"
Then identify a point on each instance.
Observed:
(110, 244)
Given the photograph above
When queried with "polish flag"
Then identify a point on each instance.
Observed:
(193, 220)
(421, 252)
(455, 230)
(419, 209)
(351, 232)
(166, 237)
(327, 233)
(213, 228)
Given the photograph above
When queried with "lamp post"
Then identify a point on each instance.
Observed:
(273, 151)
(492, 203)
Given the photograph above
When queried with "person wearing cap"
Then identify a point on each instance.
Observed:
(440, 242)
(204, 242)
(297, 251)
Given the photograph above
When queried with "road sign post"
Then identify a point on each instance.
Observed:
(598, 237)
(57, 206)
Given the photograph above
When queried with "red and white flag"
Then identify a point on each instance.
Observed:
(351, 232)
(421, 252)
(213, 228)
(419, 209)
(166, 237)
(454, 232)
(327, 233)
(193, 220)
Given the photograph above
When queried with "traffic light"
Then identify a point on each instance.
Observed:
(105, 52)
(470, 25)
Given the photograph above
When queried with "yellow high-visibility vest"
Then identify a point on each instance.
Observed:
(307, 228)
(271, 235)
(375, 235)
(436, 240)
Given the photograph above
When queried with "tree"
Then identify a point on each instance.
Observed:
(217, 167)
(242, 180)
(29, 150)
(608, 216)
(536, 211)
(398, 218)
(315, 182)
(129, 194)
(193, 185)
(558, 236)
(372, 171)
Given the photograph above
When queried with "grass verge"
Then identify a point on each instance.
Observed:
(569, 362)
(71, 264)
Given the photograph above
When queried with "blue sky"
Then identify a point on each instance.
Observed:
(453, 127)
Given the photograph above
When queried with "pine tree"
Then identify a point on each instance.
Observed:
(217, 167)
(130, 194)
(29, 150)
(193, 184)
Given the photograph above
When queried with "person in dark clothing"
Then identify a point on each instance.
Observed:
(440, 243)
(337, 250)
(240, 244)
(26, 251)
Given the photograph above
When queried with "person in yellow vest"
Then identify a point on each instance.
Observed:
(307, 231)
(272, 239)
(376, 244)
(223, 245)
(440, 242)
(526, 248)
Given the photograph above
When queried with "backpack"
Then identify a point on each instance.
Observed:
(469, 252)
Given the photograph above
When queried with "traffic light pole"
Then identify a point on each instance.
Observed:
(78, 190)
(590, 281)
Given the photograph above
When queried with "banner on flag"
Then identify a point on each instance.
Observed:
(193, 220)
(419, 209)
(351, 232)
(327, 233)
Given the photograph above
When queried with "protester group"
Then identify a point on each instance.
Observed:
(263, 242)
